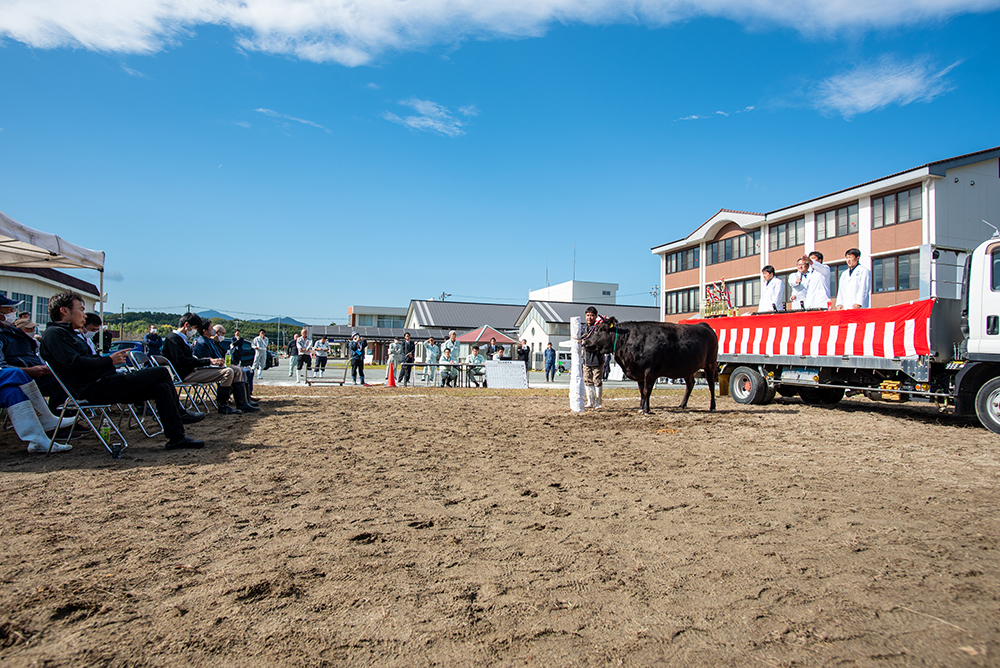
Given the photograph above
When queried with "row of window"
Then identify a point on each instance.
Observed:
(897, 208)
(733, 248)
(890, 209)
(41, 306)
(682, 260)
(889, 274)
(371, 320)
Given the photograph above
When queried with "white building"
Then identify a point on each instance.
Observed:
(580, 292)
(36, 285)
(910, 228)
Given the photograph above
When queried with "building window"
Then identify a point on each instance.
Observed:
(606, 293)
(28, 301)
(900, 272)
(787, 235)
(42, 311)
(744, 293)
(733, 248)
(558, 329)
(681, 301)
(837, 222)
(683, 260)
(366, 320)
(391, 321)
(897, 208)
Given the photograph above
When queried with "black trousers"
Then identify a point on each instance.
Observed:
(143, 385)
(404, 373)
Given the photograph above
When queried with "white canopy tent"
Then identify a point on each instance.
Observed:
(21, 246)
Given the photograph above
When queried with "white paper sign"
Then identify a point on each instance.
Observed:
(506, 375)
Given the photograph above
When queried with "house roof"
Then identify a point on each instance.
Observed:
(463, 315)
(562, 311)
(57, 276)
(485, 333)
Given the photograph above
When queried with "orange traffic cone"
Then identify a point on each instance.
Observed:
(391, 380)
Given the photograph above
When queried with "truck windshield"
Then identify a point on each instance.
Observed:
(995, 270)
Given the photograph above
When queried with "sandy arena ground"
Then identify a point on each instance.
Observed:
(381, 527)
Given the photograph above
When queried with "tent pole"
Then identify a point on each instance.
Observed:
(100, 300)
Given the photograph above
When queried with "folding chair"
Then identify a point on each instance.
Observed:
(89, 412)
(193, 392)
(139, 360)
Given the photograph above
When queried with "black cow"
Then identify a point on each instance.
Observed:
(649, 350)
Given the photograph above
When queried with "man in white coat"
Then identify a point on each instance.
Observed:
(772, 292)
(855, 285)
(799, 283)
(818, 290)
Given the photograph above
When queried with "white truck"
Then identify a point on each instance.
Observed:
(939, 349)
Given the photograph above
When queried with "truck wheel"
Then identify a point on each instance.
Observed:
(988, 405)
(769, 395)
(746, 386)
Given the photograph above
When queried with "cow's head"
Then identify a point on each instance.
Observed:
(602, 336)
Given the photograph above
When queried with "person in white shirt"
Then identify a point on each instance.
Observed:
(855, 285)
(305, 346)
(818, 290)
(476, 373)
(799, 283)
(322, 350)
(772, 292)
(259, 345)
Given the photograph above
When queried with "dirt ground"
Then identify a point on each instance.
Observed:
(391, 527)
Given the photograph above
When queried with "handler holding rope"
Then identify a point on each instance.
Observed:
(593, 365)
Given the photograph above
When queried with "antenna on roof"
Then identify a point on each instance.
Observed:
(996, 232)
(445, 294)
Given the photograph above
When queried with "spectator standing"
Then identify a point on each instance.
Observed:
(550, 363)
(409, 349)
(356, 349)
(818, 290)
(259, 345)
(152, 342)
(491, 347)
(524, 353)
(395, 357)
(293, 354)
(593, 366)
(322, 350)
(305, 346)
(432, 352)
(856, 285)
(452, 344)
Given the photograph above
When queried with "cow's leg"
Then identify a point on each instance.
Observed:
(646, 391)
(711, 375)
(689, 381)
(642, 385)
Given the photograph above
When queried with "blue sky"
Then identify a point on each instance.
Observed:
(275, 158)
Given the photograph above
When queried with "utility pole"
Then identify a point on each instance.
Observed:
(445, 294)
(655, 291)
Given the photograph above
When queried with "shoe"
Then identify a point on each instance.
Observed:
(246, 408)
(255, 400)
(190, 417)
(44, 447)
(183, 442)
(229, 410)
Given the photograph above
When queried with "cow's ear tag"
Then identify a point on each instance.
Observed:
(611, 326)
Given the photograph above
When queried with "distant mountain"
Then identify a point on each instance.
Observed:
(212, 315)
(216, 315)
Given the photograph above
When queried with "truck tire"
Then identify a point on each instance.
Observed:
(746, 386)
(988, 405)
(769, 395)
(821, 396)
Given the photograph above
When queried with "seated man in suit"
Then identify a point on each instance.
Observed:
(18, 349)
(207, 346)
(94, 378)
(193, 369)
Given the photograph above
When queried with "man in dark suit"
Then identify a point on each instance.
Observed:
(193, 369)
(409, 350)
(93, 378)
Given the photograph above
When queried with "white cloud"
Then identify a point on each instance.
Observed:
(243, 124)
(134, 73)
(115, 276)
(431, 117)
(352, 32)
(726, 114)
(874, 86)
(373, 86)
(275, 114)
